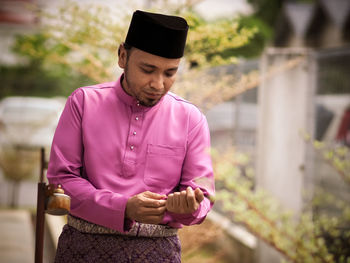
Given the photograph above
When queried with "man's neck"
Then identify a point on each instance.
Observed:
(124, 85)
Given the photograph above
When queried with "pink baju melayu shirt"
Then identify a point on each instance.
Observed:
(107, 147)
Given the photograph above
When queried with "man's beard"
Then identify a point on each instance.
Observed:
(143, 101)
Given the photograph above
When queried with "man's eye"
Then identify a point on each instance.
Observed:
(146, 71)
(169, 74)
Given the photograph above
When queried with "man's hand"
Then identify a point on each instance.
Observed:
(184, 202)
(146, 207)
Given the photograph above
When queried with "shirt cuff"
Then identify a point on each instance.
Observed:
(178, 220)
(128, 223)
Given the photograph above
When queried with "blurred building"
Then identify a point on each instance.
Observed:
(16, 17)
(324, 26)
(321, 31)
(318, 24)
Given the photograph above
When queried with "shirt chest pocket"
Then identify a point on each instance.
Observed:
(163, 166)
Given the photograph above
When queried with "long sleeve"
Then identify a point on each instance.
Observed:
(100, 206)
(196, 172)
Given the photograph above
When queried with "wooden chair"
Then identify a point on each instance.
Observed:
(51, 200)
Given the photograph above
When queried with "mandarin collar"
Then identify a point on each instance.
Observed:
(130, 100)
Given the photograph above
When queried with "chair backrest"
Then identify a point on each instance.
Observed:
(51, 200)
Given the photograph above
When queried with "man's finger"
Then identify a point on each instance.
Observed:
(150, 199)
(191, 200)
(183, 200)
(152, 195)
(147, 211)
(199, 195)
(170, 202)
(147, 202)
(176, 199)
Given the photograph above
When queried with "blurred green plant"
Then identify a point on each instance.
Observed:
(84, 39)
(267, 10)
(295, 238)
(210, 44)
(338, 156)
(312, 237)
(261, 38)
(332, 213)
(33, 79)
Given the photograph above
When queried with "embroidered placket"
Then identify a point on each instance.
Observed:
(133, 141)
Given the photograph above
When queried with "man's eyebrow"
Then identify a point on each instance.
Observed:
(148, 65)
(172, 69)
(144, 64)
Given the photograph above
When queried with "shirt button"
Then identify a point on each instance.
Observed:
(134, 133)
(132, 147)
(138, 104)
(137, 118)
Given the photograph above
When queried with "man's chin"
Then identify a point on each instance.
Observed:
(149, 102)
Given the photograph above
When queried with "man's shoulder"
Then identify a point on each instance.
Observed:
(177, 100)
(97, 87)
(93, 93)
(92, 90)
(182, 105)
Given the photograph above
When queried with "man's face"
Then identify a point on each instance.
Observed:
(147, 77)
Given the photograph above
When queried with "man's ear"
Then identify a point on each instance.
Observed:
(122, 56)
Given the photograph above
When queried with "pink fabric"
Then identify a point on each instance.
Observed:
(107, 148)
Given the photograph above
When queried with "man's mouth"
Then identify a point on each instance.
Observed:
(153, 95)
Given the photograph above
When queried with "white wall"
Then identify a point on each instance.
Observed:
(285, 107)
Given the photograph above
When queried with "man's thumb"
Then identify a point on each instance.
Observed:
(153, 195)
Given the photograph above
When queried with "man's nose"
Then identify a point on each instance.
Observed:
(157, 82)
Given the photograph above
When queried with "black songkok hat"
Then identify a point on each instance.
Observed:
(158, 34)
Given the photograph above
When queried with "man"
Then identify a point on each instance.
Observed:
(133, 157)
